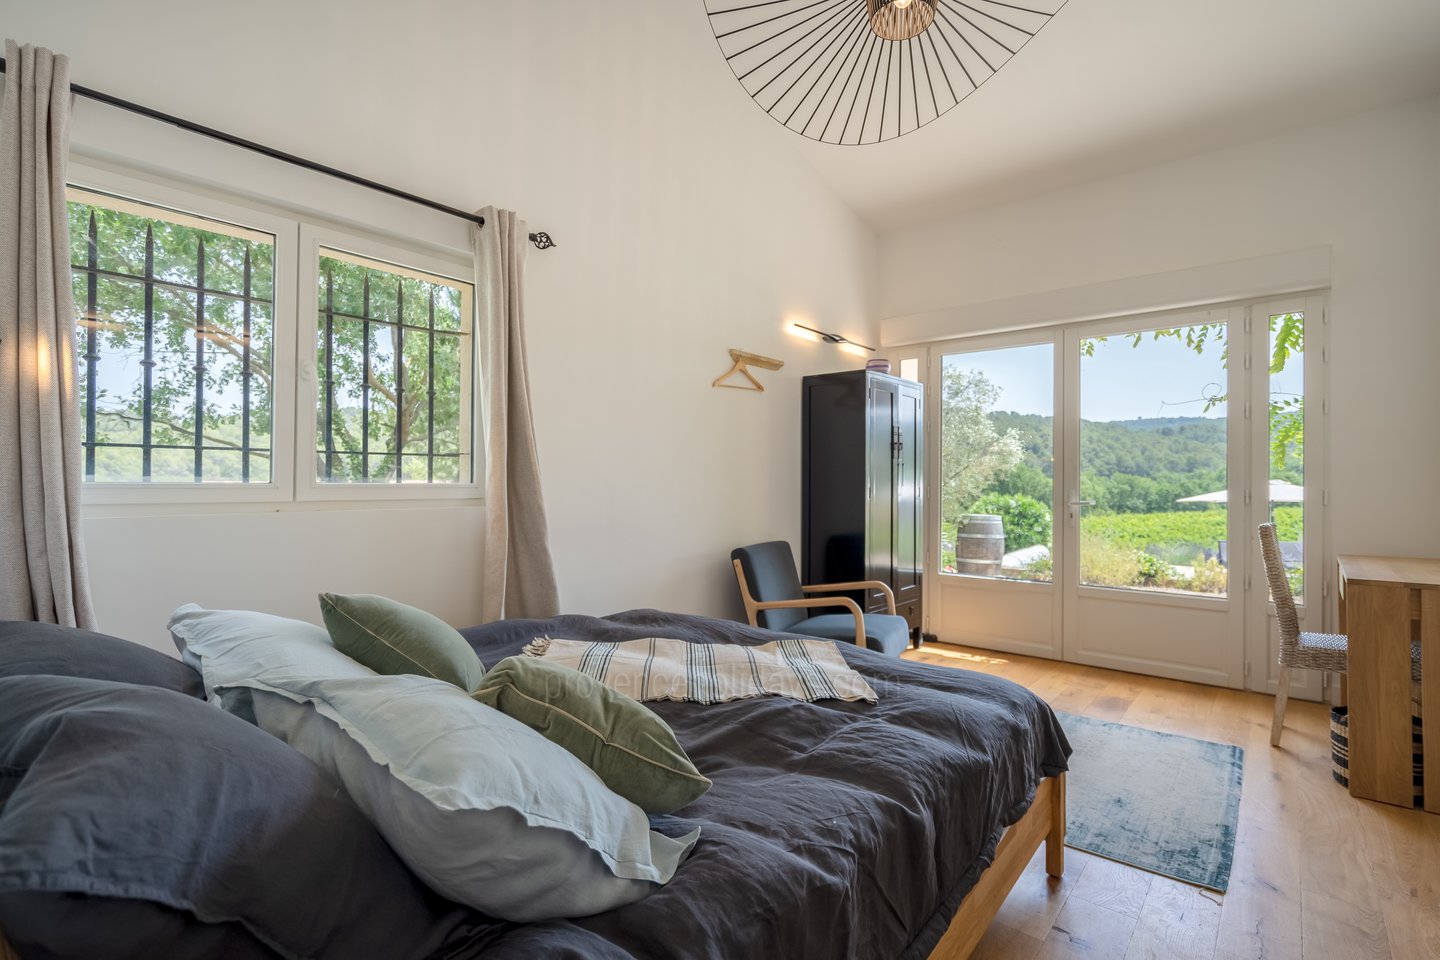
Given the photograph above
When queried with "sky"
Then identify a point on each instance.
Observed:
(1161, 378)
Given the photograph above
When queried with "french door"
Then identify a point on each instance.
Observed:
(1096, 487)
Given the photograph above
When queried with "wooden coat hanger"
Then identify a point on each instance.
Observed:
(742, 363)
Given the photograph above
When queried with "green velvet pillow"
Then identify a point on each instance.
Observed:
(631, 749)
(391, 638)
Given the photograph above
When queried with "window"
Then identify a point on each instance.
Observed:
(997, 462)
(1286, 509)
(393, 348)
(206, 375)
(174, 338)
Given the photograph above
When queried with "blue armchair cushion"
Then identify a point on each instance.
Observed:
(888, 634)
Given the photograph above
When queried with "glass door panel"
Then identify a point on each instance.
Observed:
(997, 454)
(1155, 444)
(1153, 477)
(1286, 454)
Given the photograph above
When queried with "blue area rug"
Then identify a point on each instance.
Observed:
(1164, 803)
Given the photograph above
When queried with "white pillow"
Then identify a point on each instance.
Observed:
(484, 809)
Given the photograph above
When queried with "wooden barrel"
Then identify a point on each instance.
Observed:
(980, 545)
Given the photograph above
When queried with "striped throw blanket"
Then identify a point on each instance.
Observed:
(660, 669)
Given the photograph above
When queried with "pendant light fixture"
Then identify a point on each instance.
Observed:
(900, 19)
(865, 71)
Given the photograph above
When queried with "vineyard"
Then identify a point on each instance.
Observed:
(1192, 530)
(1172, 550)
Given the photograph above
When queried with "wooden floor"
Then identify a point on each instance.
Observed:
(1317, 875)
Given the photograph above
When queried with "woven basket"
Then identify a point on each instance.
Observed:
(1340, 751)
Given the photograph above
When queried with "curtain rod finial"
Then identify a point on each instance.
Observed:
(542, 240)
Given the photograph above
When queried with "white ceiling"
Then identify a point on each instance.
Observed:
(1114, 85)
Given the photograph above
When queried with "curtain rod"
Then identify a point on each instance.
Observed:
(541, 239)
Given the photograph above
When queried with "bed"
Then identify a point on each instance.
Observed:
(833, 829)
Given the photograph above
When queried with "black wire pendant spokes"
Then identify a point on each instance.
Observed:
(818, 66)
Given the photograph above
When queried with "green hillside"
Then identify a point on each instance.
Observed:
(1127, 466)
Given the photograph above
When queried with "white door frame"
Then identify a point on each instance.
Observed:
(1250, 616)
(1261, 670)
(1189, 622)
(987, 601)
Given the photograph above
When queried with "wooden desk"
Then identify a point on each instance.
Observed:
(1387, 603)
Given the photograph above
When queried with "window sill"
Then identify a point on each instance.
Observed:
(106, 511)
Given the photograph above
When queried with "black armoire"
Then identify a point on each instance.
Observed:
(862, 470)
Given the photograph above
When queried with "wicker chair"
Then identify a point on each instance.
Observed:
(1308, 651)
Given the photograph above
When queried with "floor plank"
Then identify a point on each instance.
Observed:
(1177, 922)
(1114, 885)
(1037, 899)
(1004, 942)
(1343, 930)
(1318, 875)
(1088, 930)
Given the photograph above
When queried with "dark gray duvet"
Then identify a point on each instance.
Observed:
(833, 830)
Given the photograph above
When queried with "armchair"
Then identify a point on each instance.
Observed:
(775, 599)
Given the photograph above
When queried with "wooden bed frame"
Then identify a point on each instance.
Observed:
(1043, 823)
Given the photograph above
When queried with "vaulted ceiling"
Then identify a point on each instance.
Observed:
(1114, 85)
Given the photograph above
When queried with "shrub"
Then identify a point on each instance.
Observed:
(1106, 564)
(1027, 521)
(1210, 577)
(1150, 569)
(1041, 569)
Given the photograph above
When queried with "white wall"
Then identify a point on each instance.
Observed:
(1368, 187)
(686, 226)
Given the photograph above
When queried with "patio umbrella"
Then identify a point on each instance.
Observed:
(1280, 492)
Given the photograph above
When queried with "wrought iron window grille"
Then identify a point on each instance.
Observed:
(93, 323)
(394, 455)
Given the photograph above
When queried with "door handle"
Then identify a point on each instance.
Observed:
(1082, 503)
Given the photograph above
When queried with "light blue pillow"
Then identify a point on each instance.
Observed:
(230, 646)
(485, 810)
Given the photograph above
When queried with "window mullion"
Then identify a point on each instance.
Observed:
(399, 435)
(430, 384)
(92, 357)
(329, 374)
(365, 382)
(200, 362)
(146, 408)
(245, 375)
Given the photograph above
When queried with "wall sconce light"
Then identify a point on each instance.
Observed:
(844, 343)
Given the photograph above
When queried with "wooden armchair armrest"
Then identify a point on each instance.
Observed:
(857, 585)
(846, 602)
(752, 606)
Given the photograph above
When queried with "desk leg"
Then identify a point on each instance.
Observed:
(1381, 762)
(1430, 693)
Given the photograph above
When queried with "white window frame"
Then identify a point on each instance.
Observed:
(453, 264)
(282, 439)
(293, 358)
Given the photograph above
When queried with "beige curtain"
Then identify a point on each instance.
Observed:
(519, 574)
(42, 558)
